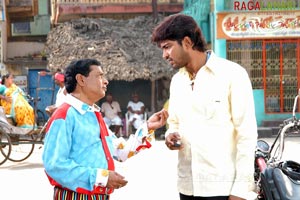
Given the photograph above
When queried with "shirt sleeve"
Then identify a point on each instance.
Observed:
(103, 107)
(129, 104)
(2, 89)
(118, 107)
(172, 120)
(142, 139)
(102, 177)
(141, 104)
(243, 116)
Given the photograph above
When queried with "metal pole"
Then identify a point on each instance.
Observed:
(154, 11)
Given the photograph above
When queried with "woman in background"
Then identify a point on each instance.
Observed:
(18, 107)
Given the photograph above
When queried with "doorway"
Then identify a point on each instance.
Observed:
(281, 72)
(272, 65)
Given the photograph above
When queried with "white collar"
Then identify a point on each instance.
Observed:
(80, 106)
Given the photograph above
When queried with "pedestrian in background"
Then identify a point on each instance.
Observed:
(59, 80)
(211, 113)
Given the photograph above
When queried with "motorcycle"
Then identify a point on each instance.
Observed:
(275, 178)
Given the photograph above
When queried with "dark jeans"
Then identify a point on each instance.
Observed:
(185, 197)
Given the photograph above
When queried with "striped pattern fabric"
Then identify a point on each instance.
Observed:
(62, 194)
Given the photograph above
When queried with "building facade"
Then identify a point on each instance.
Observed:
(263, 37)
(25, 25)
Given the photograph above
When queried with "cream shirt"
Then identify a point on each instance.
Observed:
(217, 123)
(111, 110)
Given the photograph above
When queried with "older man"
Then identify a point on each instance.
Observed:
(79, 149)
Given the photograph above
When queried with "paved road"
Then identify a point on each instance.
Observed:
(151, 175)
(148, 173)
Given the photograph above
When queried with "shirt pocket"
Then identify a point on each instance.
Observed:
(213, 108)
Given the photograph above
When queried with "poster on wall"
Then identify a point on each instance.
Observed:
(263, 24)
(21, 81)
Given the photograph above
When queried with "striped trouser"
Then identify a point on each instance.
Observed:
(62, 194)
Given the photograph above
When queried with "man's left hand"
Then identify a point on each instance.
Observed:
(157, 120)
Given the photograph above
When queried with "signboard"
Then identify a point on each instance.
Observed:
(272, 24)
(21, 81)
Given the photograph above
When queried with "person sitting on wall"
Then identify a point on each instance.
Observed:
(111, 112)
(136, 111)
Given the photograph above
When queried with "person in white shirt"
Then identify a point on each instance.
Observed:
(60, 95)
(136, 111)
(111, 111)
(211, 120)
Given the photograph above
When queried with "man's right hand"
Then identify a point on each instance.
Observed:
(173, 141)
(115, 180)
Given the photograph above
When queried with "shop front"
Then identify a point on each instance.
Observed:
(266, 44)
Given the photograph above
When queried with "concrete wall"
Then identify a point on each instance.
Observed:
(260, 109)
(22, 49)
(39, 27)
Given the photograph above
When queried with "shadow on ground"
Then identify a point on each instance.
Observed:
(22, 166)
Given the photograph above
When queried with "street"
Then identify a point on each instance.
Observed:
(150, 174)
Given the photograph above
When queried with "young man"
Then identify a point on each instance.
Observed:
(211, 114)
(78, 148)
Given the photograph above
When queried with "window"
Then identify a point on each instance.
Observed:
(21, 27)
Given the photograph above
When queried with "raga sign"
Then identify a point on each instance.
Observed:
(264, 5)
